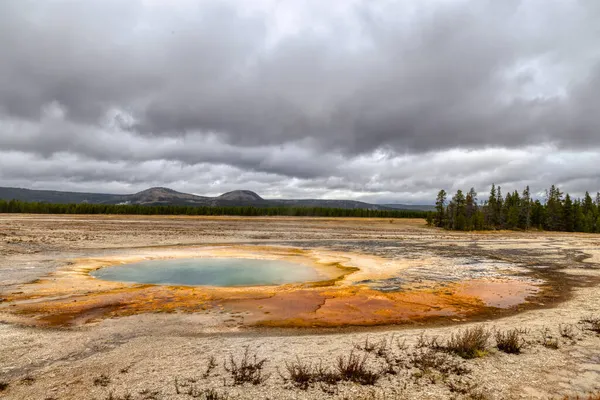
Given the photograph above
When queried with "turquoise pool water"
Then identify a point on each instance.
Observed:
(210, 272)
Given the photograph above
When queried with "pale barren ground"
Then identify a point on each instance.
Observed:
(142, 355)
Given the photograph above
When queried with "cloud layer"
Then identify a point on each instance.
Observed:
(382, 101)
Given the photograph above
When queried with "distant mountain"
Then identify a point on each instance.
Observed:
(416, 207)
(52, 196)
(160, 195)
(329, 203)
(166, 196)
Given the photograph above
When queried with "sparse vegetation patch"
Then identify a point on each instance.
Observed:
(300, 374)
(548, 340)
(509, 342)
(591, 396)
(592, 323)
(249, 369)
(212, 364)
(427, 360)
(469, 343)
(102, 380)
(354, 368)
(567, 331)
(351, 368)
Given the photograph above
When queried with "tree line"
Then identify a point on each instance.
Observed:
(558, 212)
(16, 206)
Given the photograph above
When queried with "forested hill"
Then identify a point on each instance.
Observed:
(159, 196)
(558, 212)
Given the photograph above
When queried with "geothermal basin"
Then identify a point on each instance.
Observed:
(274, 286)
(63, 327)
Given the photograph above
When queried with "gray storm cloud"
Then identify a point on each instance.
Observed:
(376, 100)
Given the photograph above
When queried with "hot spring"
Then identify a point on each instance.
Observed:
(211, 272)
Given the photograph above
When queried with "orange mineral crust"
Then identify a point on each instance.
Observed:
(71, 297)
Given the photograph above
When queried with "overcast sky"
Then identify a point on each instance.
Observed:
(382, 101)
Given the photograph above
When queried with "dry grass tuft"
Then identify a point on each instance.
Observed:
(28, 380)
(592, 323)
(509, 342)
(591, 396)
(190, 388)
(112, 396)
(353, 369)
(469, 343)
(366, 346)
(102, 380)
(468, 390)
(212, 364)
(384, 350)
(301, 375)
(147, 394)
(567, 331)
(249, 369)
(430, 359)
(212, 394)
(428, 342)
(548, 341)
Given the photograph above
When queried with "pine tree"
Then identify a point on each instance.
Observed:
(554, 209)
(567, 213)
(440, 208)
(597, 213)
(588, 204)
(512, 210)
(579, 218)
(518, 211)
(459, 210)
(491, 207)
(429, 219)
(512, 221)
(479, 220)
(471, 202)
(525, 217)
(499, 209)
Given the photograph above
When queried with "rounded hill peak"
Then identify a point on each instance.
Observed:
(159, 195)
(157, 189)
(240, 195)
